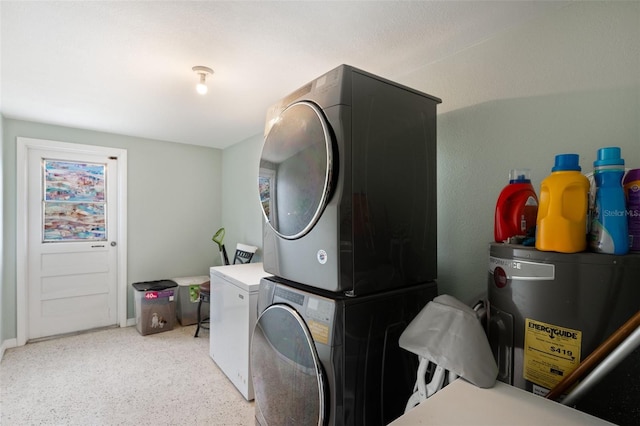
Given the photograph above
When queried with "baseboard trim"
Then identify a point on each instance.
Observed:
(7, 344)
(12, 343)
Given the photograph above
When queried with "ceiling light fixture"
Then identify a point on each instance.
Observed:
(203, 72)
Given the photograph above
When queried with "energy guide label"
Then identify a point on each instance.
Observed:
(550, 352)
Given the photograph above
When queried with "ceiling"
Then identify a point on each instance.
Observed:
(125, 67)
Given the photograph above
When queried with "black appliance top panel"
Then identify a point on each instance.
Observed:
(331, 88)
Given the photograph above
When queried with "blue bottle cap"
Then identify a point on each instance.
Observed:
(519, 176)
(567, 162)
(609, 156)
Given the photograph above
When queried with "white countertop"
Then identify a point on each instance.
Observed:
(462, 403)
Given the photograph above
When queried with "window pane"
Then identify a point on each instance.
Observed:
(74, 204)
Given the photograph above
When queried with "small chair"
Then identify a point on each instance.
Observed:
(244, 253)
(205, 296)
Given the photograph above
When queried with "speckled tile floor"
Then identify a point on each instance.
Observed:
(118, 377)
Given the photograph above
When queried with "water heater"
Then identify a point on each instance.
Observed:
(548, 311)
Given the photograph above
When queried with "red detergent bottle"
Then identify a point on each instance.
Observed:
(517, 207)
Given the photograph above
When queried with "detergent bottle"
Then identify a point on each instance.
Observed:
(631, 184)
(561, 223)
(516, 208)
(609, 232)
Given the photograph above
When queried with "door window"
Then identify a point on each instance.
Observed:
(287, 377)
(295, 170)
(73, 202)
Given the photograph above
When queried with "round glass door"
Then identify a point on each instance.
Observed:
(295, 170)
(286, 372)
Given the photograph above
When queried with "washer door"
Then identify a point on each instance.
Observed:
(295, 170)
(287, 376)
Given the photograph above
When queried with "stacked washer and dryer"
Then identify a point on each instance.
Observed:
(348, 188)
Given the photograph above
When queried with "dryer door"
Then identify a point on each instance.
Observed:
(295, 170)
(287, 376)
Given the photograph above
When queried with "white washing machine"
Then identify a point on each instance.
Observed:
(320, 358)
(348, 184)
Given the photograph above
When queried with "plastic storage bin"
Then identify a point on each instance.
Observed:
(187, 296)
(155, 306)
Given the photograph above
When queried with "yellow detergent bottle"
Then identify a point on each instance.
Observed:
(561, 224)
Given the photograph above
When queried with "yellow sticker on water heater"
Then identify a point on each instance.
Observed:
(551, 352)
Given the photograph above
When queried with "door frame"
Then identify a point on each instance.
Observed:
(23, 145)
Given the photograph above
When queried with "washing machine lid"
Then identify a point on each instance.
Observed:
(295, 174)
(288, 382)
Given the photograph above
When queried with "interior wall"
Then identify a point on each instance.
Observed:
(566, 83)
(241, 211)
(173, 205)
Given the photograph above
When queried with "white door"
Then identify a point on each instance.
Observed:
(72, 270)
